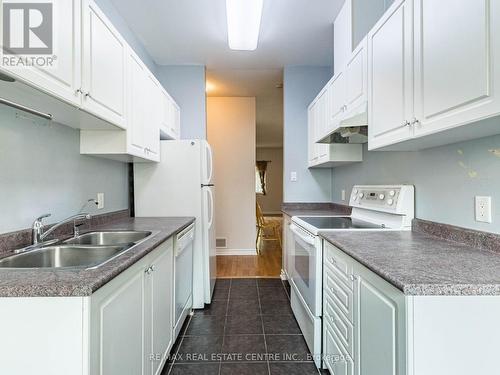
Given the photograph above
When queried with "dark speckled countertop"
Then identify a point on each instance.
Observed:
(314, 209)
(81, 282)
(421, 264)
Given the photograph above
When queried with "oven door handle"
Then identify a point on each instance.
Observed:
(307, 239)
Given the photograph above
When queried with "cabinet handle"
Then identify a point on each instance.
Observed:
(79, 91)
(332, 260)
(149, 270)
(415, 121)
(333, 290)
(352, 277)
(406, 123)
(87, 95)
(153, 268)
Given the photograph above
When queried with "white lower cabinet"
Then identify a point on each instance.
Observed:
(385, 332)
(131, 325)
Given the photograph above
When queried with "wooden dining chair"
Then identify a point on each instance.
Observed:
(267, 230)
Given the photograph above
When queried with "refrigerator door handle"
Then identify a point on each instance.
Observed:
(207, 185)
(211, 200)
(210, 165)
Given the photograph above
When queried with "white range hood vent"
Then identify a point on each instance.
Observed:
(352, 129)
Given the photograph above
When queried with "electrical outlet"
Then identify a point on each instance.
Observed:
(293, 176)
(483, 209)
(100, 201)
(343, 195)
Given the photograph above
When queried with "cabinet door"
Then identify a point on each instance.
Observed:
(63, 79)
(382, 328)
(457, 75)
(104, 61)
(136, 105)
(163, 297)
(153, 116)
(177, 112)
(390, 72)
(356, 73)
(338, 100)
(342, 36)
(320, 126)
(117, 327)
(311, 118)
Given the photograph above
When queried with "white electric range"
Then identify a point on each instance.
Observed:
(374, 208)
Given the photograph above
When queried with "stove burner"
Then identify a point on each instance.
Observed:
(330, 222)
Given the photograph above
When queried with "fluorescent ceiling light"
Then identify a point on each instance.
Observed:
(243, 23)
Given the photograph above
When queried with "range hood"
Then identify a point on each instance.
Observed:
(351, 129)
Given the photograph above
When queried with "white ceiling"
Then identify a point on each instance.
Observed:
(180, 32)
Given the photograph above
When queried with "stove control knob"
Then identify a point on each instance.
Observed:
(381, 197)
(361, 195)
(392, 193)
(355, 191)
(390, 202)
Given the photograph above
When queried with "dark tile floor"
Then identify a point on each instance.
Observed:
(248, 329)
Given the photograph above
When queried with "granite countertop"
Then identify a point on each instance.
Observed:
(314, 209)
(80, 282)
(421, 264)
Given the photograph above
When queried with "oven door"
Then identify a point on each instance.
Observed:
(306, 268)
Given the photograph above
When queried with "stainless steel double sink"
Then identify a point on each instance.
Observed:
(89, 250)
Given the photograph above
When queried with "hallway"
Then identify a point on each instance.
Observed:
(267, 264)
(248, 329)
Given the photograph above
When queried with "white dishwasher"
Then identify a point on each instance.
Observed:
(183, 276)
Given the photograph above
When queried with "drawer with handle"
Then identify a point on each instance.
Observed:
(342, 296)
(338, 263)
(343, 327)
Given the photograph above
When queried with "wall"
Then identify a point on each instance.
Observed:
(231, 132)
(446, 179)
(42, 171)
(271, 202)
(186, 84)
(301, 85)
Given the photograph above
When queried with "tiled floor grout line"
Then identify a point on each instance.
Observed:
(263, 330)
(180, 343)
(225, 323)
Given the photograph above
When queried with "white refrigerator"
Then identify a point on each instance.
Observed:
(182, 184)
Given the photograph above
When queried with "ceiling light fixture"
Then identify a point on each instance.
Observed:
(243, 23)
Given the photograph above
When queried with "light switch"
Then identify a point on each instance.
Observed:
(293, 176)
(343, 195)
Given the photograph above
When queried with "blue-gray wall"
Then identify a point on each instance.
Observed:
(301, 84)
(42, 171)
(186, 84)
(446, 179)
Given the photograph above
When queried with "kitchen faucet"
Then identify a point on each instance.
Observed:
(39, 235)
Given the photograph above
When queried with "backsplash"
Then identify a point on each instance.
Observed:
(446, 179)
(42, 171)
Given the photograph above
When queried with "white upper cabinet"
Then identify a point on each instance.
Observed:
(104, 76)
(342, 37)
(63, 78)
(456, 63)
(434, 73)
(337, 100)
(137, 97)
(356, 77)
(390, 67)
(170, 124)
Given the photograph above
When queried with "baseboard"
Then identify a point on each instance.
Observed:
(273, 213)
(223, 252)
